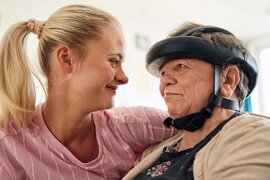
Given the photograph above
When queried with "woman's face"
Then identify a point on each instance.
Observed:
(100, 73)
(186, 86)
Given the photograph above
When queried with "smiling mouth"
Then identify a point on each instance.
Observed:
(112, 88)
(170, 94)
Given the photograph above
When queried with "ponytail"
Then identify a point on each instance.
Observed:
(17, 90)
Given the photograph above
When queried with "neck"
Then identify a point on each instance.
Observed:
(66, 121)
(190, 139)
(73, 128)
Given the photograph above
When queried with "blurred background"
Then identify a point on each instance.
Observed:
(148, 21)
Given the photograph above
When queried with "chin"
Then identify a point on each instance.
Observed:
(109, 105)
(174, 114)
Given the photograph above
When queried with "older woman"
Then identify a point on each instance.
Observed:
(205, 75)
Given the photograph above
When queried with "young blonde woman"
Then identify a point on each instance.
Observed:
(74, 134)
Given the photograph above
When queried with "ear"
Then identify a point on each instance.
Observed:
(64, 58)
(229, 80)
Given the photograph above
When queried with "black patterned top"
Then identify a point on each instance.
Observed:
(168, 165)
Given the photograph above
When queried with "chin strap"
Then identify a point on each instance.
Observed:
(195, 121)
(191, 122)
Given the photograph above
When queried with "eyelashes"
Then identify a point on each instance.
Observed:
(180, 66)
(114, 62)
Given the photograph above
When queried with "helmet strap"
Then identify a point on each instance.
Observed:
(195, 121)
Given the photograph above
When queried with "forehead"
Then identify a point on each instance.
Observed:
(111, 31)
(111, 39)
(188, 62)
(115, 35)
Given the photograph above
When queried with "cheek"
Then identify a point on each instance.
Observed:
(106, 73)
(107, 70)
(161, 90)
(202, 93)
(89, 81)
(109, 74)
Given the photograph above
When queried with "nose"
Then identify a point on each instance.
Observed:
(167, 79)
(121, 77)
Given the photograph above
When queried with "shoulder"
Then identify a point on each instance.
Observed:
(244, 131)
(244, 128)
(13, 129)
(247, 121)
(133, 114)
(243, 144)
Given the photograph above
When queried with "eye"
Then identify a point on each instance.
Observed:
(162, 73)
(114, 62)
(180, 67)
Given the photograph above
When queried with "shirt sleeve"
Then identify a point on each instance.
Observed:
(241, 154)
(143, 126)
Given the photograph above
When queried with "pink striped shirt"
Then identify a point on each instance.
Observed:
(122, 134)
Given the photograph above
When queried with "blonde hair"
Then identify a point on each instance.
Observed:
(72, 25)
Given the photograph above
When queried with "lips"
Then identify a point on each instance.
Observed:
(170, 94)
(112, 88)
